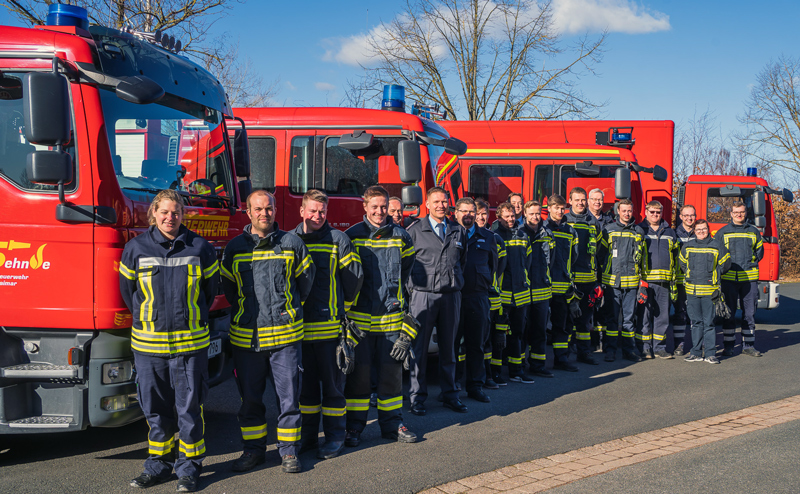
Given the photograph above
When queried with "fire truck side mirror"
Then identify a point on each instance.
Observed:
(139, 89)
(356, 141)
(245, 188)
(622, 183)
(760, 222)
(759, 203)
(49, 167)
(409, 162)
(454, 146)
(730, 191)
(787, 195)
(412, 195)
(45, 101)
(241, 153)
(659, 173)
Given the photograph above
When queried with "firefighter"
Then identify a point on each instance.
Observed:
(584, 267)
(740, 283)
(168, 280)
(396, 211)
(266, 274)
(542, 244)
(479, 274)
(685, 233)
(436, 281)
(565, 300)
(386, 254)
(481, 220)
(661, 247)
(515, 295)
(517, 200)
(621, 254)
(704, 260)
(600, 315)
(337, 281)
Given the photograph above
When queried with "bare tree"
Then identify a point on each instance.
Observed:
(190, 21)
(702, 149)
(772, 116)
(483, 59)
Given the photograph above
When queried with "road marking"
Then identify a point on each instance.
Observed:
(546, 473)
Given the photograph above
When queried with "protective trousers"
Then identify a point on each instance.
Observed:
(516, 330)
(319, 368)
(473, 327)
(680, 320)
(443, 311)
(559, 317)
(282, 368)
(654, 318)
(537, 333)
(583, 324)
(620, 325)
(375, 348)
(171, 393)
(488, 349)
(745, 293)
(704, 334)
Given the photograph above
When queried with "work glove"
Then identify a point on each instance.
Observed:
(345, 355)
(720, 307)
(352, 332)
(596, 297)
(575, 308)
(673, 290)
(498, 340)
(641, 295)
(402, 348)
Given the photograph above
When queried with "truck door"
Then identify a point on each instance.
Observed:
(493, 180)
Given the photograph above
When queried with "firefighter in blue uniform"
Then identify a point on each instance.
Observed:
(603, 218)
(386, 254)
(267, 273)
(740, 283)
(168, 280)
(337, 281)
(542, 244)
(685, 234)
(621, 255)
(704, 261)
(435, 283)
(515, 295)
(479, 274)
(660, 264)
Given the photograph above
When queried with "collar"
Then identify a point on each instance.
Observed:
(434, 223)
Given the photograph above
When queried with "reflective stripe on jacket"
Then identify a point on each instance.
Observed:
(622, 253)
(684, 236)
(168, 287)
(494, 293)
(746, 248)
(662, 247)
(704, 262)
(514, 284)
(584, 264)
(542, 245)
(563, 254)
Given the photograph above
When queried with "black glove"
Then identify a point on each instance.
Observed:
(498, 340)
(402, 348)
(575, 308)
(721, 309)
(641, 295)
(352, 332)
(345, 355)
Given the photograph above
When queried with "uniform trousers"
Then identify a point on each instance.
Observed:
(473, 329)
(620, 322)
(322, 392)
(443, 311)
(653, 318)
(745, 295)
(701, 314)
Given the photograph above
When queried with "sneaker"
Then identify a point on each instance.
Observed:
(693, 358)
(187, 483)
(711, 360)
(663, 354)
(678, 350)
(498, 379)
(520, 378)
(751, 351)
(401, 435)
(727, 351)
(646, 355)
(291, 464)
(247, 462)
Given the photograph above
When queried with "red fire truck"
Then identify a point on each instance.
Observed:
(93, 123)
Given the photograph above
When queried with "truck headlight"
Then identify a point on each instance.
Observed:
(117, 372)
(119, 402)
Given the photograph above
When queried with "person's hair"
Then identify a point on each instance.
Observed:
(556, 200)
(466, 200)
(315, 195)
(434, 190)
(597, 189)
(738, 204)
(260, 193)
(375, 191)
(686, 206)
(531, 203)
(654, 205)
(513, 194)
(577, 190)
(481, 204)
(701, 222)
(502, 207)
(395, 198)
(164, 195)
(626, 202)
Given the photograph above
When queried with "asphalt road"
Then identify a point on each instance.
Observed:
(523, 422)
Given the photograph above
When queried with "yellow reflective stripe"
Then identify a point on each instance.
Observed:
(354, 405)
(192, 450)
(193, 295)
(538, 356)
(545, 151)
(160, 448)
(254, 432)
(583, 336)
(334, 412)
(211, 270)
(627, 334)
(390, 404)
(226, 273)
(659, 337)
(304, 264)
(310, 409)
(487, 356)
(348, 260)
(562, 344)
(496, 362)
(514, 360)
(127, 272)
(288, 435)
(316, 331)
(146, 307)
(166, 343)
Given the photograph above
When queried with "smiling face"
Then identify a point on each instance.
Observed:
(556, 212)
(577, 203)
(688, 217)
(516, 201)
(437, 205)
(701, 231)
(596, 203)
(625, 212)
(507, 218)
(377, 209)
(396, 211)
(533, 216)
(481, 217)
(168, 215)
(738, 215)
(465, 215)
(314, 214)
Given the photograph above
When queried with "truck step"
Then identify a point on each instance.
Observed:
(39, 371)
(43, 421)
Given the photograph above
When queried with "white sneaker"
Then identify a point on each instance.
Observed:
(711, 360)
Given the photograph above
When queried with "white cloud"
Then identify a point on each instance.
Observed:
(324, 86)
(290, 86)
(617, 16)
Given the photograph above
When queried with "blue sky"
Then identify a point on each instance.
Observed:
(663, 59)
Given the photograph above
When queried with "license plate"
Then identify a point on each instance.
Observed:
(214, 348)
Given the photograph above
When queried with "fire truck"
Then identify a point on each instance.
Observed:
(630, 159)
(93, 123)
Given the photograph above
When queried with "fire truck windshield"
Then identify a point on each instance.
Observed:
(174, 143)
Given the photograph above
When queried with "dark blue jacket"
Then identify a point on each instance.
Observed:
(515, 288)
(438, 266)
(746, 246)
(542, 245)
(482, 260)
(663, 247)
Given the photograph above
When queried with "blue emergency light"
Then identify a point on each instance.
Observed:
(394, 98)
(621, 136)
(60, 14)
(752, 171)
